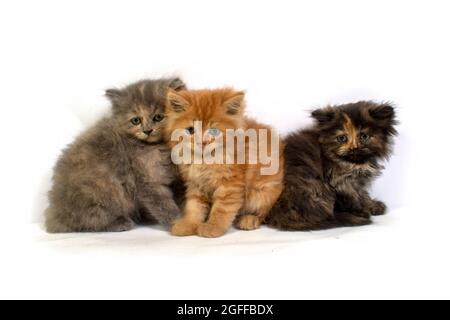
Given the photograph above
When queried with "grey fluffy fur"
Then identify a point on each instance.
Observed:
(118, 173)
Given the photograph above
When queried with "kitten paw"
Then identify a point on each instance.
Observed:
(183, 229)
(378, 208)
(347, 219)
(121, 224)
(362, 214)
(210, 231)
(248, 222)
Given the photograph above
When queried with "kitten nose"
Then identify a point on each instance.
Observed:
(148, 132)
(353, 144)
(206, 141)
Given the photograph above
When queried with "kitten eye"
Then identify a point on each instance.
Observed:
(158, 118)
(214, 132)
(364, 137)
(136, 121)
(190, 130)
(342, 138)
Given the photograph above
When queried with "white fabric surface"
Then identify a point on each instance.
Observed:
(385, 260)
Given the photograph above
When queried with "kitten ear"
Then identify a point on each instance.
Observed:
(384, 115)
(382, 112)
(324, 115)
(234, 105)
(175, 102)
(115, 95)
(177, 84)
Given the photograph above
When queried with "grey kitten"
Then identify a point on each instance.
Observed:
(119, 172)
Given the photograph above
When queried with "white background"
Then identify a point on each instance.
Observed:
(57, 57)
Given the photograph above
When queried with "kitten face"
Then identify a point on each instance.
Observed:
(215, 110)
(144, 122)
(139, 109)
(356, 133)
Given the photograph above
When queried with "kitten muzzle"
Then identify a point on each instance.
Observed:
(148, 132)
(356, 157)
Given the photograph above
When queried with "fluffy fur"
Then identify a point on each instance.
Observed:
(118, 172)
(330, 166)
(217, 193)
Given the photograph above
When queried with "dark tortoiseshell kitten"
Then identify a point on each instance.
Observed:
(330, 167)
(118, 172)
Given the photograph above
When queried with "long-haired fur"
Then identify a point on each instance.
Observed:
(217, 193)
(330, 166)
(118, 172)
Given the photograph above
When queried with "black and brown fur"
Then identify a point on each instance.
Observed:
(119, 172)
(330, 167)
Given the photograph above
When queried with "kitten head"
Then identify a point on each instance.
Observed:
(139, 109)
(358, 132)
(216, 111)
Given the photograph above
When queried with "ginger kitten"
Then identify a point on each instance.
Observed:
(118, 172)
(218, 192)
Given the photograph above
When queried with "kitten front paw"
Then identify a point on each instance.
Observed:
(182, 229)
(362, 214)
(378, 208)
(210, 231)
(248, 222)
(120, 225)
